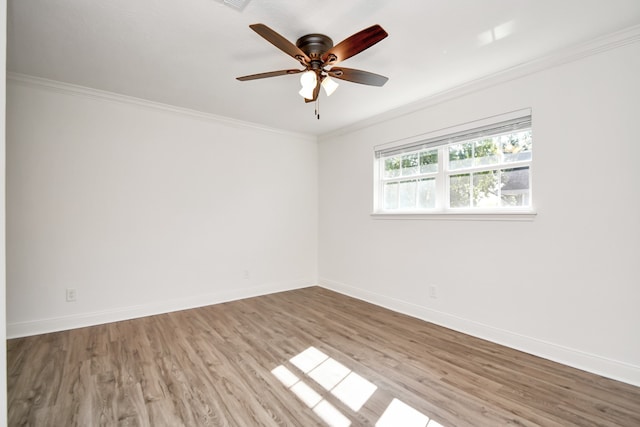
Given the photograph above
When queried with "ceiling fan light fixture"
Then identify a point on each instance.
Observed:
(308, 80)
(329, 85)
(318, 57)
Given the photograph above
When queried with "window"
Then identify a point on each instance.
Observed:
(481, 169)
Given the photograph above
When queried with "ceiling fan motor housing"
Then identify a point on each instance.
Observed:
(314, 46)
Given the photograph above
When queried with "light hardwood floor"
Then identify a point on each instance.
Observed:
(301, 358)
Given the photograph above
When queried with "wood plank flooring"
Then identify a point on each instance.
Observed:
(309, 357)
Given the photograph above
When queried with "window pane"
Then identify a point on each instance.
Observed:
(459, 187)
(485, 189)
(461, 156)
(410, 164)
(488, 168)
(515, 187)
(517, 146)
(391, 195)
(427, 193)
(485, 152)
(391, 167)
(407, 195)
(429, 161)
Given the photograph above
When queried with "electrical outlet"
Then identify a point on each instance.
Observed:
(246, 275)
(433, 291)
(71, 295)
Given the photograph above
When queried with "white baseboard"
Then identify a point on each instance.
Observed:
(41, 326)
(567, 356)
(578, 359)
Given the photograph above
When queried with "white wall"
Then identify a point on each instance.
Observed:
(3, 318)
(565, 285)
(145, 210)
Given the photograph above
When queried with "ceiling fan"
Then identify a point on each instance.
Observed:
(317, 54)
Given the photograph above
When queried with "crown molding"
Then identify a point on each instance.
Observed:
(86, 92)
(576, 52)
(573, 53)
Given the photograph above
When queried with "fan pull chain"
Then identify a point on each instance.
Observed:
(317, 112)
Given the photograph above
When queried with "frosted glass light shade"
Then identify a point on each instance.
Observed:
(329, 85)
(308, 80)
(306, 92)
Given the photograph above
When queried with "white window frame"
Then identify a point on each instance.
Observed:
(441, 140)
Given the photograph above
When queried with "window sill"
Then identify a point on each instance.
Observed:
(458, 216)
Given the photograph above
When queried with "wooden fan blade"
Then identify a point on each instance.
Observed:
(280, 42)
(354, 44)
(358, 76)
(268, 74)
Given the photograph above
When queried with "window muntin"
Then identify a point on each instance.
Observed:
(480, 170)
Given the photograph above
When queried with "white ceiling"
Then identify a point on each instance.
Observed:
(187, 53)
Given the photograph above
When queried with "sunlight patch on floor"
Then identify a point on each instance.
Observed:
(399, 413)
(329, 373)
(331, 415)
(354, 391)
(350, 388)
(308, 359)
